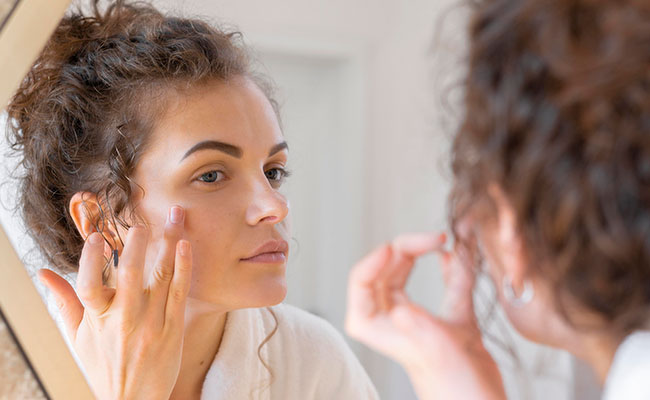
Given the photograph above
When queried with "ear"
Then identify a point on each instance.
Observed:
(508, 239)
(89, 216)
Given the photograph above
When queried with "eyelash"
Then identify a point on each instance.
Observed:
(284, 174)
(209, 172)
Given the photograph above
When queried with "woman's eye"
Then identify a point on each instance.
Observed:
(211, 176)
(276, 175)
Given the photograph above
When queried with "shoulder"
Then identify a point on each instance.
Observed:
(306, 330)
(629, 374)
(324, 355)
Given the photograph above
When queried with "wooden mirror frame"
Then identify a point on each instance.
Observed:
(25, 31)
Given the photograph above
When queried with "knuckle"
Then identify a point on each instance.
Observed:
(164, 273)
(178, 295)
(184, 268)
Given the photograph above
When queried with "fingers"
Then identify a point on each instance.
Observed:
(179, 287)
(163, 269)
(361, 287)
(458, 302)
(90, 287)
(131, 265)
(376, 276)
(66, 300)
(386, 260)
(406, 249)
(368, 270)
(413, 245)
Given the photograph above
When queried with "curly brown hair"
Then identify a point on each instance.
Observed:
(81, 118)
(557, 101)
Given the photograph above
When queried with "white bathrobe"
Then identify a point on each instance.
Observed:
(307, 357)
(629, 375)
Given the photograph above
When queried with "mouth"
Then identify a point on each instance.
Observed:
(271, 252)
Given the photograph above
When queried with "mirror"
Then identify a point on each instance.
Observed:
(363, 87)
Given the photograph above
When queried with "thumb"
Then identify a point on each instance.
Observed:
(66, 300)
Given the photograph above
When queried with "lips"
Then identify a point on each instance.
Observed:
(273, 251)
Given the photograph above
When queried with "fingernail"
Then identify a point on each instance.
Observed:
(176, 215)
(95, 238)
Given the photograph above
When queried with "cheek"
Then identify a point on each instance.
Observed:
(212, 232)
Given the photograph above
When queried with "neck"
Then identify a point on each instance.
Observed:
(595, 343)
(597, 350)
(204, 327)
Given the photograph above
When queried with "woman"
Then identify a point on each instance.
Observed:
(153, 161)
(552, 187)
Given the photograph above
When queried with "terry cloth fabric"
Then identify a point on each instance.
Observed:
(307, 360)
(629, 374)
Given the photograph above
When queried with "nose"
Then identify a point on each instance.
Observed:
(267, 206)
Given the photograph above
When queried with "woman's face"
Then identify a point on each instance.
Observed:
(220, 154)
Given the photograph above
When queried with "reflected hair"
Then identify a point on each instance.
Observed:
(557, 114)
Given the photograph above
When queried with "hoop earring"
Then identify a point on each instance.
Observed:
(509, 294)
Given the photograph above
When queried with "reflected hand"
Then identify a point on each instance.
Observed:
(444, 357)
(129, 338)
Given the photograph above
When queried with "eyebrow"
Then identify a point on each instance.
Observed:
(278, 148)
(229, 149)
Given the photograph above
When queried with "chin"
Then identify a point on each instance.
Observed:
(277, 296)
(250, 287)
(268, 292)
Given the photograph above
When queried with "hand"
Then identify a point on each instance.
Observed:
(444, 357)
(129, 338)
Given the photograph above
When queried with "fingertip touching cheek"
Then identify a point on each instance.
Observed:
(221, 155)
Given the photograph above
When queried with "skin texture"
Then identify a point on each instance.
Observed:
(230, 206)
(444, 355)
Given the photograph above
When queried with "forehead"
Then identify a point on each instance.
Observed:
(235, 112)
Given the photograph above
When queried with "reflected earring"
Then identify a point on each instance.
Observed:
(509, 293)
